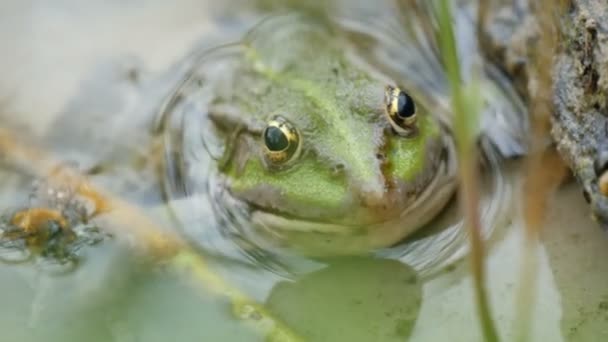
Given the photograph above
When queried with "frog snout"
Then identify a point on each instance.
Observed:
(372, 195)
(372, 198)
(371, 192)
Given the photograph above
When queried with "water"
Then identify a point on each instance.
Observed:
(117, 294)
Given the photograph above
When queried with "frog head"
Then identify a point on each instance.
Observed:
(329, 154)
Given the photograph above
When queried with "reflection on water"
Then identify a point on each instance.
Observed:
(114, 295)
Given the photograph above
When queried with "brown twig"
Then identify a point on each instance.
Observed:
(122, 218)
(544, 168)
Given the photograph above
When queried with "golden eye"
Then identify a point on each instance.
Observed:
(281, 141)
(401, 110)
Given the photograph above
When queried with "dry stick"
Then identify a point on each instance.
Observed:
(544, 169)
(465, 123)
(483, 10)
(122, 218)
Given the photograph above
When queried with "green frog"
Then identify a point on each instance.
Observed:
(313, 147)
(322, 134)
(320, 145)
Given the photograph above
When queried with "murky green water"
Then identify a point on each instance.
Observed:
(115, 294)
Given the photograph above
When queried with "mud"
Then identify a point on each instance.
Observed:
(510, 34)
(579, 123)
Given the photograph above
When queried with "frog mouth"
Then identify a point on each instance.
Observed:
(435, 190)
(322, 237)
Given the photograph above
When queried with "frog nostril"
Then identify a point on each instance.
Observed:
(338, 168)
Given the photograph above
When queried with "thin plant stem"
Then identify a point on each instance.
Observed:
(465, 122)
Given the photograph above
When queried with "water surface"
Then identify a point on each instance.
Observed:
(115, 295)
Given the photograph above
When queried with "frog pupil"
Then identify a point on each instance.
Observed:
(275, 139)
(405, 105)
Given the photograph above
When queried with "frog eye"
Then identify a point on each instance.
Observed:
(281, 141)
(400, 109)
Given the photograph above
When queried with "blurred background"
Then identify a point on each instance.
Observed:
(48, 47)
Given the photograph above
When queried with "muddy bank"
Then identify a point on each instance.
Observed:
(581, 84)
(511, 35)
